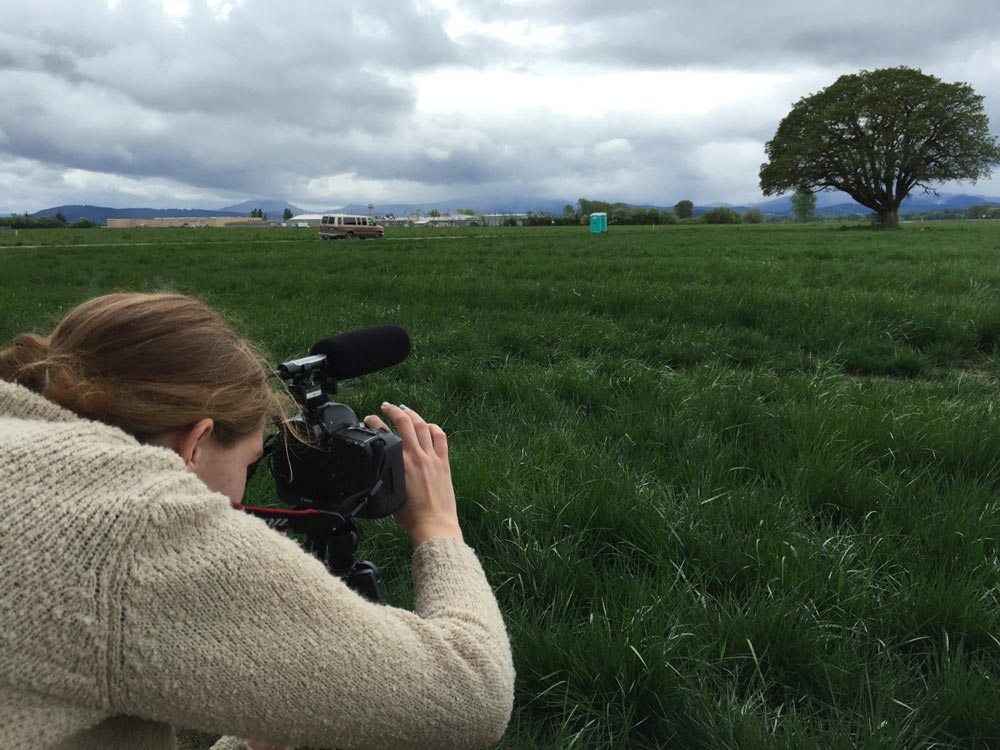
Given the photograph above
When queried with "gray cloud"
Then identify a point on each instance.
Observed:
(318, 104)
(719, 33)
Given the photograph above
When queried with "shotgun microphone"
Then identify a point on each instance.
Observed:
(363, 351)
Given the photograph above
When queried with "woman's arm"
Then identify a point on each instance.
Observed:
(227, 626)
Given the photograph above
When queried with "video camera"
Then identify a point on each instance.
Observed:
(328, 465)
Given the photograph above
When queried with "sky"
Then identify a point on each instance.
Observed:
(206, 103)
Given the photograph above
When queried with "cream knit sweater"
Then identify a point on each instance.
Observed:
(134, 600)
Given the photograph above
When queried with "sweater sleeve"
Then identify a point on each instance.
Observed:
(227, 626)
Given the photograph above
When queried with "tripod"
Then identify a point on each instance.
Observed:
(330, 537)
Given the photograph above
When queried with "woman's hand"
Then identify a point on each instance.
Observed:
(430, 508)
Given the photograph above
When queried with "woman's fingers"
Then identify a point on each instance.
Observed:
(403, 423)
(411, 427)
(423, 431)
(375, 423)
(430, 509)
(440, 441)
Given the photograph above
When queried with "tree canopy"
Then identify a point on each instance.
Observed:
(876, 135)
(720, 215)
(620, 213)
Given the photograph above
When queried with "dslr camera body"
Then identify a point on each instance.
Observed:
(326, 458)
(329, 466)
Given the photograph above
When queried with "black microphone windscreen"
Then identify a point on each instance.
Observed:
(363, 351)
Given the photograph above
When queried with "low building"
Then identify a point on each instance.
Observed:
(462, 220)
(305, 220)
(186, 221)
(499, 220)
(402, 221)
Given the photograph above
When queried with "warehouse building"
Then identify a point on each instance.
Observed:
(304, 220)
(187, 221)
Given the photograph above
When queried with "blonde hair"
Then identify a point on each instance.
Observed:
(148, 364)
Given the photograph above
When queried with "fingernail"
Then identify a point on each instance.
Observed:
(385, 403)
(402, 406)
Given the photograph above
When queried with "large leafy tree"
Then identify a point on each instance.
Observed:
(876, 135)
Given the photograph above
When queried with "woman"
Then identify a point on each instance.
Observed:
(134, 599)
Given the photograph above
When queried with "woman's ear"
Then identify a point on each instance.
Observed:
(187, 442)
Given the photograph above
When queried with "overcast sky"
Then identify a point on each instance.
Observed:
(204, 103)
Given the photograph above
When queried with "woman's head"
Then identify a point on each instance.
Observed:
(150, 364)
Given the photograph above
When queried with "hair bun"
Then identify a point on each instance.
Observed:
(98, 363)
(31, 363)
(21, 362)
(31, 346)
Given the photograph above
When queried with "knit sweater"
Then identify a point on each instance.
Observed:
(134, 600)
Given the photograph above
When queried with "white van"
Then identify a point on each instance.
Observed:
(348, 227)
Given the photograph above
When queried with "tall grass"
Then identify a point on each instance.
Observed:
(736, 487)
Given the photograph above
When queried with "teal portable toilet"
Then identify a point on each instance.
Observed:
(599, 223)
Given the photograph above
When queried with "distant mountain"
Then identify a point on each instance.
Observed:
(831, 204)
(835, 204)
(839, 204)
(945, 201)
(699, 210)
(273, 207)
(778, 205)
(479, 204)
(101, 214)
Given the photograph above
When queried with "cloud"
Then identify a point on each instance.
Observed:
(718, 33)
(133, 103)
(209, 94)
(614, 148)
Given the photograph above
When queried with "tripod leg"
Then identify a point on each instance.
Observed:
(363, 578)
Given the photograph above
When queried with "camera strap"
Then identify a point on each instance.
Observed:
(304, 521)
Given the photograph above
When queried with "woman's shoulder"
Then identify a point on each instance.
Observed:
(36, 434)
(24, 414)
(18, 402)
(84, 468)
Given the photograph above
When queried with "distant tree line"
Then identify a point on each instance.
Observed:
(620, 213)
(980, 211)
(543, 219)
(803, 210)
(434, 213)
(724, 215)
(24, 221)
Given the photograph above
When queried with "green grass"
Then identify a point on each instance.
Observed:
(736, 487)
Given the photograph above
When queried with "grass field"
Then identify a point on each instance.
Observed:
(736, 487)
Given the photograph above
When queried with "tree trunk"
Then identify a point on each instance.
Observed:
(889, 218)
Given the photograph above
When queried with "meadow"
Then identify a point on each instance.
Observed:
(735, 486)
